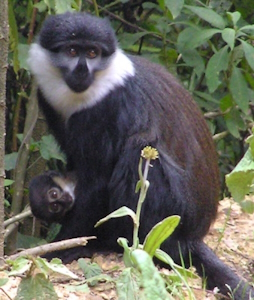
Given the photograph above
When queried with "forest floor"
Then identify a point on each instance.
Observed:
(231, 237)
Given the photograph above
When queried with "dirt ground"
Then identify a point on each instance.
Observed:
(231, 237)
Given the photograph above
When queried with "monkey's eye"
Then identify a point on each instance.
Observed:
(55, 207)
(54, 194)
(91, 53)
(73, 52)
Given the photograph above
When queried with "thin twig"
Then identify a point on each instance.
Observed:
(62, 245)
(96, 8)
(219, 136)
(5, 293)
(137, 28)
(24, 214)
(32, 24)
(215, 114)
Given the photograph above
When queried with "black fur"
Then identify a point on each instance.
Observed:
(66, 30)
(103, 145)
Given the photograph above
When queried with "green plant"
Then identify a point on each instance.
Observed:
(240, 181)
(141, 276)
(35, 283)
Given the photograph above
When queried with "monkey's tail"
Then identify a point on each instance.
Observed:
(219, 275)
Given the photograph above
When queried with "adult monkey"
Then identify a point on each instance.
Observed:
(103, 108)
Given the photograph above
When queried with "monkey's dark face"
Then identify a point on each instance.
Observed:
(78, 46)
(76, 61)
(59, 201)
(51, 196)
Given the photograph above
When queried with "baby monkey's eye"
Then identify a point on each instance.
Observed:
(54, 194)
(55, 208)
(91, 53)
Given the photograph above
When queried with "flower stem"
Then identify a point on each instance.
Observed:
(144, 184)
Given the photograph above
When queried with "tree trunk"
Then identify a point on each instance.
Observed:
(3, 68)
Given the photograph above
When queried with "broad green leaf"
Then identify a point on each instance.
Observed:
(239, 181)
(3, 281)
(89, 269)
(20, 137)
(247, 206)
(57, 266)
(174, 7)
(50, 149)
(248, 28)
(246, 164)
(127, 285)
(250, 80)
(226, 102)
(234, 17)
(163, 256)
(10, 161)
(150, 5)
(239, 184)
(207, 97)
(208, 15)
(249, 53)
(27, 241)
(63, 6)
(37, 287)
(234, 122)
(191, 38)
(161, 4)
(217, 63)
(205, 101)
(162, 25)
(231, 126)
(41, 6)
(228, 35)
(250, 141)
(54, 229)
(128, 39)
(185, 37)
(121, 212)
(194, 60)
(19, 266)
(159, 233)
(8, 182)
(151, 281)
(23, 50)
(239, 89)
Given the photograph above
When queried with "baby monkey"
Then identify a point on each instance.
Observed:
(51, 195)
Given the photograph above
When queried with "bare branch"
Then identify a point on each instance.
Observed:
(24, 214)
(62, 245)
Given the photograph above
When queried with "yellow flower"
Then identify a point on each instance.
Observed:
(150, 153)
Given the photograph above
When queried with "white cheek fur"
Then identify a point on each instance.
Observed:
(61, 97)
